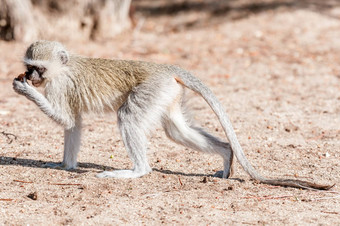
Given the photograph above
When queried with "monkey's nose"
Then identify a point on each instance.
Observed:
(28, 75)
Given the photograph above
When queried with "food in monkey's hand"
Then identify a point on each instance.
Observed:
(22, 77)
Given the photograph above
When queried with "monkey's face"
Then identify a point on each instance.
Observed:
(35, 74)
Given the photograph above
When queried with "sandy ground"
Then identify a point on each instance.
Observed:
(273, 65)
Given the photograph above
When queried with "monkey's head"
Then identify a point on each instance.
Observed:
(43, 60)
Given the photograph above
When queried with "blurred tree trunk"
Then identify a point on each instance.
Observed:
(109, 17)
(27, 20)
(16, 20)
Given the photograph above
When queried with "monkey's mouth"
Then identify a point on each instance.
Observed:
(36, 83)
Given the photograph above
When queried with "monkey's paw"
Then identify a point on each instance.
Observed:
(221, 174)
(61, 165)
(121, 174)
(21, 87)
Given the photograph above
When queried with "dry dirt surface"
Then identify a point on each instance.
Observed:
(274, 65)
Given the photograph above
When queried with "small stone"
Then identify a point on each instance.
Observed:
(33, 195)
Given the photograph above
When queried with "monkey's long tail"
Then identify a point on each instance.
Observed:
(193, 83)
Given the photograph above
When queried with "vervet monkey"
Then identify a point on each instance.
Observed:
(142, 93)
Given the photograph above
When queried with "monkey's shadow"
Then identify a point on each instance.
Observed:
(83, 167)
(194, 174)
(41, 164)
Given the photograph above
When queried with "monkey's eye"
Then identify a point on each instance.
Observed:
(30, 68)
(41, 70)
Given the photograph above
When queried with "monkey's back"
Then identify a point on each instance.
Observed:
(105, 83)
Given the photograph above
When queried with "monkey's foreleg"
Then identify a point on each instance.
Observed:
(71, 148)
(72, 133)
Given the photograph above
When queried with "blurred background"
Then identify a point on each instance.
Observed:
(28, 20)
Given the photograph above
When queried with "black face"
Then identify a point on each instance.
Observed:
(35, 74)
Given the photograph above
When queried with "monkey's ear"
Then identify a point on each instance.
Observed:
(63, 56)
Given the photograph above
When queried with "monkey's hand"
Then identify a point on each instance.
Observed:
(22, 87)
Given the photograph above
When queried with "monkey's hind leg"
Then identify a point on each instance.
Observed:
(71, 148)
(134, 121)
(179, 130)
(135, 141)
